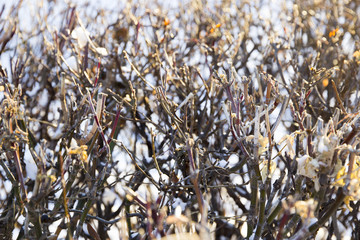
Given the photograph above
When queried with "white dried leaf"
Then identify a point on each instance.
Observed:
(307, 166)
(101, 51)
(81, 35)
(72, 63)
(323, 144)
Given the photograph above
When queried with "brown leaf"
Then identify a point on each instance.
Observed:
(92, 232)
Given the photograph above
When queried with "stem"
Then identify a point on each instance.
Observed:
(255, 176)
(261, 211)
(83, 217)
(274, 213)
(194, 175)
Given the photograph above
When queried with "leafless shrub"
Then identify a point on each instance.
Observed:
(219, 120)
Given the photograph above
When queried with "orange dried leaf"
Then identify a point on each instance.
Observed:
(357, 54)
(333, 32)
(325, 82)
(166, 22)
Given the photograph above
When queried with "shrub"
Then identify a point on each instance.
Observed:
(199, 120)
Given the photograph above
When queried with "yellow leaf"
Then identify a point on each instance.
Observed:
(340, 177)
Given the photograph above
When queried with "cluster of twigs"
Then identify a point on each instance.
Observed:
(195, 120)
